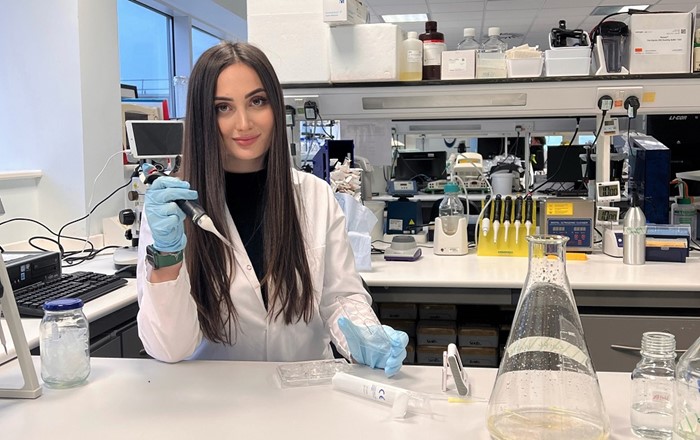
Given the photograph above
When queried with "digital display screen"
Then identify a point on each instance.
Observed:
(608, 215)
(156, 138)
(608, 191)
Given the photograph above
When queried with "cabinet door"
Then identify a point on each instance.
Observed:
(131, 343)
(614, 340)
(109, 347)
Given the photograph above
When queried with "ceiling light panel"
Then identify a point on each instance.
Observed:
(404, 18)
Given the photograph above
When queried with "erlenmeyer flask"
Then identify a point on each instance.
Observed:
(546, 386)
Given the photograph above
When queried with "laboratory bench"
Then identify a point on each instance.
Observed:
(148, 399)
(613, 299)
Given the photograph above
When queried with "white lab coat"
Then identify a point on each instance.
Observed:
(167, 319)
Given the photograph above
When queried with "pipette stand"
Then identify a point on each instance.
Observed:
(31, 388)
(505, 248)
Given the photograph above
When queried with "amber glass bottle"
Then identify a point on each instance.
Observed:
(433, 46)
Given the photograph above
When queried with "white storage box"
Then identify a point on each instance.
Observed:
(661, 43)
(458, 64)
(364, 52)
(567, 66)
(491, 65)
(337, 12)
(524, 67)
(568, 52)
(280, 37)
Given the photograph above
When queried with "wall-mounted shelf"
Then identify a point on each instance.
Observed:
(502, 98)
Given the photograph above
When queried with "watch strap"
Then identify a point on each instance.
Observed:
(160, 259)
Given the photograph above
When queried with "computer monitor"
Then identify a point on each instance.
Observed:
(679, 133)
(341, 150)
(422, 166)
(489, 147)
(129, 91)
(155, 139)
(564, 163)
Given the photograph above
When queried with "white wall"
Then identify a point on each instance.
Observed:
(60, 107)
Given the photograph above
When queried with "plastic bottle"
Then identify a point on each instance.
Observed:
(411, 66)
(64, 343)
(451, 209)
(683, 212)
(469, 43)
(651, 412)
(634, 236)
(491, 59)
(494, 44)
(433, 46)
(686, 414)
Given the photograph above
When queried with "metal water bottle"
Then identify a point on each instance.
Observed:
(634, 236)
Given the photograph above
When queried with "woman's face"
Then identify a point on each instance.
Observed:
(244, 117)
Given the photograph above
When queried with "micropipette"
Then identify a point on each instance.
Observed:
(496, 216)
(486, 221)
(528, 214)
(191, 208)
(508, 207)
(518, 216)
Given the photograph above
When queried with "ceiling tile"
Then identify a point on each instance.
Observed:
(406, 9)
(574, 3)
(509, 5)
(456, 17)
(564, 12)
(456, 7)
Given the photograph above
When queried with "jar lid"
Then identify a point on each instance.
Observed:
(58, 305)
(451, 188)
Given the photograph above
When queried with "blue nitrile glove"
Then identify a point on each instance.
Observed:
(375, 351)
(164, 216)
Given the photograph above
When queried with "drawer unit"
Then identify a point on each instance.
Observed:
(614, 340)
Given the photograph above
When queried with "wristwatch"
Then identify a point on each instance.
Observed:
(159, 259)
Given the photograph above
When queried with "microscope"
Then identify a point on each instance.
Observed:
(131, 217)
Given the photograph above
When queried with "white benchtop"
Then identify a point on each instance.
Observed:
(146, 399)
(598, 272)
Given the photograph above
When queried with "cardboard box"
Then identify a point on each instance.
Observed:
(436, 333)
(296, 44)
(447, 312)
(364, 52)
(429, 355)
(405, 325)
(661, 43)
(458, 64)
(338, 12)
(479, 357)
(398, 311)
(476, 335)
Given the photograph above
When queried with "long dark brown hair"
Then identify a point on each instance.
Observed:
(209, 261)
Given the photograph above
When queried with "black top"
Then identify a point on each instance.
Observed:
(245, 193)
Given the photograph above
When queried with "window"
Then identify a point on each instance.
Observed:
(145, 50)
(201, 41)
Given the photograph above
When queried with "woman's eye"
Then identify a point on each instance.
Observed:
(258, 101)
(220, 108)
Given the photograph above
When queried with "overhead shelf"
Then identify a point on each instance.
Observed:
(504, 98)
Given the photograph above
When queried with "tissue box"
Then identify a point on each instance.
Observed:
(364, 52)
(281, 37)
(661, 43)
(337, 12)
(458, 64)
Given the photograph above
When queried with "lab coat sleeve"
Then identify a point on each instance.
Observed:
(340, 276)
(167, 319)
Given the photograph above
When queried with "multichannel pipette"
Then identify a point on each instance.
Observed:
(191, 208)
(518, 216)
(496, 216)
(486, 221)
(507, 210)
(528, 214)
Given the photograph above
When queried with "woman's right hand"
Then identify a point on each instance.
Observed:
(165, 218)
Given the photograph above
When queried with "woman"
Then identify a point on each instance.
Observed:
(273, 296)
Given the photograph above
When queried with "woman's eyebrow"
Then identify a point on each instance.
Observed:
(248, 95)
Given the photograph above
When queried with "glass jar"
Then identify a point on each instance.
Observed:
(546, 387)
(651, 413)
(686, 417)
(64, 343)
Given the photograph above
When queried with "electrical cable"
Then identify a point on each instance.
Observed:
(600, 127)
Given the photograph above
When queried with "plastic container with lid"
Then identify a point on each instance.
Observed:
(411, 61)
(64, 343)
(491, 58)
(469, 42)
(683, 212)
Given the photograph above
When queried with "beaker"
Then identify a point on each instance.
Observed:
(546, 386)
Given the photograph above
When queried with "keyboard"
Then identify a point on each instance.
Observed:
(84, 285)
